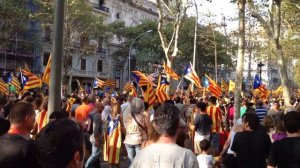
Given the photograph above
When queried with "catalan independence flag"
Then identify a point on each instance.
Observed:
(98, 83)
(224, 86)
(110, 83)
(112, 141)
(170, 72)
(191, 75)
(140, 78)
(149, 94)
(3, 87)
(46, 76)
(213, 87)
(29, 80)
(161, 90)
(259, 87)
(129, 88)
(13, 81)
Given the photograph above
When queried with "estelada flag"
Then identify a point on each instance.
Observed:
(161, 90)
(112, 141)
(12, 80)
(3, 87)
(46, 76)
(149, 94)
(140, 78)
(191, 75)
(224, 86)
(98, 83)
(213, 87)
(170, 72)
(29, 80)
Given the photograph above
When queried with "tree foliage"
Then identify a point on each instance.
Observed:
(149, 50)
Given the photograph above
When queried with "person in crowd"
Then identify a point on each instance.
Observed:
(215, 113)
(96, 135)
(42, 117)
(204, 159)
(227, 155)
(4, 126)
(60, 144)
(112, 142)
(126, 104)
(243, 107)
(269, 125)
(202, 126)
(106, 112)
(135, 126)
(251, 147)
(275, 112)
(16, 147)
(286, 152)
(260, 111)
(165, 152)
(230, 113)
(74, 106)
(152, 136)
(280, 132)
(82, 113)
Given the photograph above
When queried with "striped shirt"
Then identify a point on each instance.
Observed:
(261, 112)
(215, 113)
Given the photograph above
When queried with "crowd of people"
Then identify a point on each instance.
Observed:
(185, 131)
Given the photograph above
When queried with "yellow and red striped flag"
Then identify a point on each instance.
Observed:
(129, 88)
(13, 81)
(46, 76)
(213, 87)
(224, 86)
(29, 80)
(112, 141)
(161, 94)
(149, 94)
(110, 83)
(98, 83)
(170, 72)
(191, 75)
(140, 78)
(3, 87)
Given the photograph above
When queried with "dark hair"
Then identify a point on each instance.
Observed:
(202, 106)
(58, 115)
(19, 111)
(204, 145)
(252, 119)
(193, 101)
(213, 100)
(177, 100)
(86, 100)
(166, 119)
(292, 121)
(260, 103)
(57, 143)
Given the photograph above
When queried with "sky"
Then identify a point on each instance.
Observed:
(218, 9)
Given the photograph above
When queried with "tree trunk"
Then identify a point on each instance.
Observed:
(283, 74)
(240, 60)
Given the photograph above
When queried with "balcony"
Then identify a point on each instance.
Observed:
(100, 8)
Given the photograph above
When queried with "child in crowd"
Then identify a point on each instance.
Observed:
(205, 160)
(280, 132)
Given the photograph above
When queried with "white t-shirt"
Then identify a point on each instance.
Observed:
(205, 161)
(165, 156)
(105, 113)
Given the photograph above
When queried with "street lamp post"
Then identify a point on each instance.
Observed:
(129, 54)
(260, 65)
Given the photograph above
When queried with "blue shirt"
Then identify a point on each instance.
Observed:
(261, 112)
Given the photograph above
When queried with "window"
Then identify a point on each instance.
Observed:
(99, 66)
(83, 64)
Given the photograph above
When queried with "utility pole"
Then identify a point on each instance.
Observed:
(56, 66)
(195, 40)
